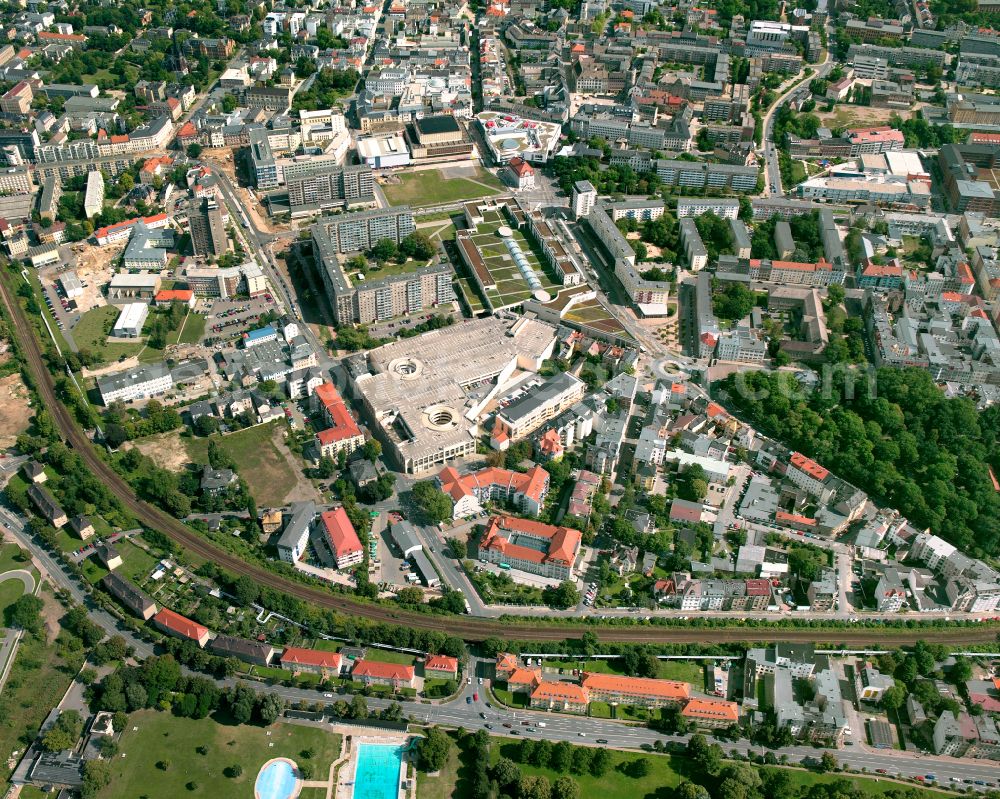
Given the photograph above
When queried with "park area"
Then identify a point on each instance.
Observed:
(506, 285)
(438, 186)
(201, 752)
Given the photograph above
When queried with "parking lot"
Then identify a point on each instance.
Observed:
(229, 318)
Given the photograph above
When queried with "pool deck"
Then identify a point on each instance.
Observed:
(348, 757)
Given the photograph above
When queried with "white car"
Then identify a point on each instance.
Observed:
(480, 680)
(468, 681)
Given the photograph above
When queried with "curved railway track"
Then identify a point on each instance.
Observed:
(469, 628)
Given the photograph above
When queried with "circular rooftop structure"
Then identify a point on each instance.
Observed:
(504, 232)
(405, 368)
(441, 418)
(541, 295)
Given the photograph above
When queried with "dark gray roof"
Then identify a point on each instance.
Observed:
(127, 593)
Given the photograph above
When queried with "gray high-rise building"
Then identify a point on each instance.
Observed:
(208, 232)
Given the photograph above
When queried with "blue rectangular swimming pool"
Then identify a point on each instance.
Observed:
(377, 772)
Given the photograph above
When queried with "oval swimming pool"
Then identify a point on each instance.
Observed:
(277, 780)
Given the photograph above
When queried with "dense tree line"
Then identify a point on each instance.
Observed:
(906, 444)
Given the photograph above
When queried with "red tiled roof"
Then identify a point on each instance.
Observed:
(62, 37)
(174, 295)
(636, 686)
(713, 709)
(809, 466)
(506, 661)
(564, 543)
(531, 483)
(380, 670)
(681, 510)
(441, 663)
(520, 167)
(343, 425)
(758, 587)
(181, 625)
(560, 692)
(522, 676)
(340, 532)
(295, 656)
(794, 518)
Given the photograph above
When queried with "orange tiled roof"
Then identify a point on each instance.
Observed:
(711, 709)
(636, 686)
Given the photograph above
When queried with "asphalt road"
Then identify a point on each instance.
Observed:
(770, 150)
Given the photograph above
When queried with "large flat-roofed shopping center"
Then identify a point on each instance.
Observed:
(426, 395)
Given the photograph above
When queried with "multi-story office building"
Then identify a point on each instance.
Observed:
(524, 415)
(361, 230)
(146, 380)
(326, 184)
(208, 231)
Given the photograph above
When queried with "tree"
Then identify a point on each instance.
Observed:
(194, 150)
(708, 757)
(96, 777)
(894, 697)
(561, 758)
(600, 762)
(961, 671)
(640, 768)
(535, 787)
(384, 250)
(734, 302)
(417, 246)
(64, 733)
(433, 750)
(581, 760)
(506, 772)
(565, 595)
(234, 771)
(565, 788)
(835, 294)
(270, 708)
(827, 762)
(372, 449)
(435, 504)
(358, 707)
(25, 613)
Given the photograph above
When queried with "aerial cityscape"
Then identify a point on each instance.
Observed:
(500, 399)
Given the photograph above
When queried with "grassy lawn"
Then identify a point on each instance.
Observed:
(682, 670)
(442, 785)
(9, 558)
(163, 736)
(666, 772)
(36, 684)
(136, 562)
(384, 656)
(193, 329)
(867, 784)
(10, 592)
(260, 463)
(91, 333)
(430, 187)
(509, 698)
(327, 646)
